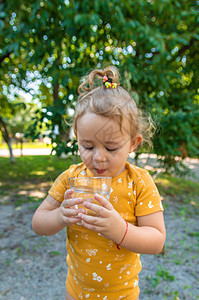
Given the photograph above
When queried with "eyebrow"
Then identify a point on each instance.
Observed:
(106, 142)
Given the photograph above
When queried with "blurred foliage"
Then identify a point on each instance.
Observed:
(52, 44)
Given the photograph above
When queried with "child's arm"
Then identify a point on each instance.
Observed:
(148, 237)
(52, 215)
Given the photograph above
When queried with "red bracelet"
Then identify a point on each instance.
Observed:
(118, 245)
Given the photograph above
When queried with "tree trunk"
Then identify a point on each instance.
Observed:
(6, 138)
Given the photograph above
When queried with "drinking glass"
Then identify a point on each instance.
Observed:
(87, 187)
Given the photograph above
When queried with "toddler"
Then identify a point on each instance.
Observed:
(104, 251)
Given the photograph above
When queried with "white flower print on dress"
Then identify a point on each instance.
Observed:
(135, 283)
(115, 199)
(128, 273)
(142, 182)
(80, 277)
(84, 235)
(88, 260)
(96, 277)
(155, 193)
(74, 276)
(110, 243)
(99, 278)
(89, 290)
(150, 205)
(119, 257)
(124, 268)
(76, 264)
(130, 184)
(108, 267)
(71, 247)
(120, 180)
(124, 216)
(91, 252)
(82, 173)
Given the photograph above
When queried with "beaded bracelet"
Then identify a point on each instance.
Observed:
(118, 245)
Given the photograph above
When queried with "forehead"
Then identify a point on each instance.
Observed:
(93, 126)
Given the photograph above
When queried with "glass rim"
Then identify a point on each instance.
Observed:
(95, 177)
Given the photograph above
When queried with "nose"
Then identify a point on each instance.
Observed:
(99, 156)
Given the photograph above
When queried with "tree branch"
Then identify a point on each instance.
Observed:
(185, 48)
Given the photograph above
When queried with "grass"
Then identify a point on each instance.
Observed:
(184, 191)
(31, 168)
(30, 177)
(30, 145)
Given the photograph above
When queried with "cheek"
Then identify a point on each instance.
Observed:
(86, 156)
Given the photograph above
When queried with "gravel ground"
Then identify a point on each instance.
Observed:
(34, 267)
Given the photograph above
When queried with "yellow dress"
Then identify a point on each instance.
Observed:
(96, 268)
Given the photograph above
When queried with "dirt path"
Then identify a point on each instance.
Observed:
(33, 267)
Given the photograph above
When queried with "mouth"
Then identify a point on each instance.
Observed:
(98, 171)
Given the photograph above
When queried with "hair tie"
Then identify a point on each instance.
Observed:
(108, 82)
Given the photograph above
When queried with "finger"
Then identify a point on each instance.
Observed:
(90, 222)
(89, 219)
(68, 194)
(99, 210)
(70, 220)
(102, 200)
(72, 212)
(71, 202)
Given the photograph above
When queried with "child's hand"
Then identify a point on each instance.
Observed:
(108, 221)
(67, 213)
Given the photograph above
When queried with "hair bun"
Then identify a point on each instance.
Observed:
(113, 73)
(88, 83)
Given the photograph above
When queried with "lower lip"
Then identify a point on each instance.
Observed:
(100, 171)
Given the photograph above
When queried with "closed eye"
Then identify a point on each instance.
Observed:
(88, 148)
(111, 149)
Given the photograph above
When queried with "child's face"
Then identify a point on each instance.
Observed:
(103, 147)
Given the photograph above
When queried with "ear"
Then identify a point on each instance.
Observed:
(135, 142)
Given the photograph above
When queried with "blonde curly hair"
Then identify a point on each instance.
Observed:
(115, 103)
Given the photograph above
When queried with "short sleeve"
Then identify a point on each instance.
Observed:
(61, 184)
(59, 187)
(148, 198)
